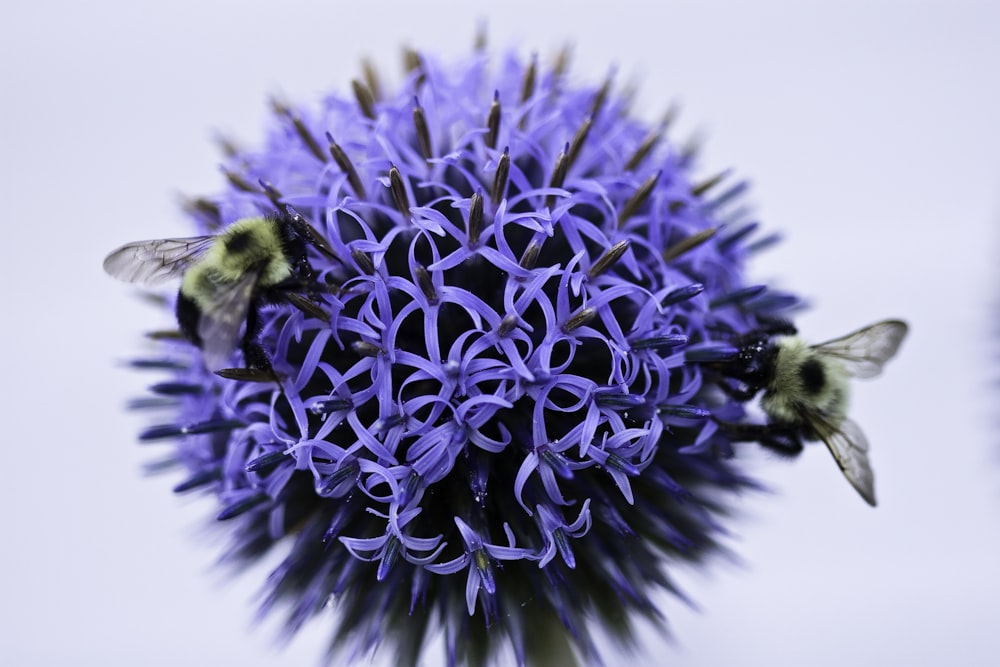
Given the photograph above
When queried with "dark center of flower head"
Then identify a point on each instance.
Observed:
(500, 390)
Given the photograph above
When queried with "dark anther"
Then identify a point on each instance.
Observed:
(281, 109)
(423, 134)
(159, 364)
(528, 84)
(500, 177)
(688, 244)
(363, 261)
(614, 401)
(601, 97)
(650, 140)
(734, 238)
(329, 405)
(475, 224)
(174, 430)
(507, 325)
(561, 64)
(577, 143)
(493, 121)
(608, 259)
(265, 461)
(227, 146)
(366, 349)
(530, 256)
(165, 334)
(689, 150)
(656, 342)
(239, 182)
(578, 319)
(366, 101)
(682, 294)
(558, 175)
(412, 62)
(683, 411)
(426, 285)
(308, 307)
(248, 374)
(371, 77)
(205, 209)
(480, 41)
(399, 196)
(242, 506)
(177, 388)
(701, 188)
(198, 480)
(340, 157)
(645, 147)
(737, 296)
(635, 202)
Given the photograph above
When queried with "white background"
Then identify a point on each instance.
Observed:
(869, 130)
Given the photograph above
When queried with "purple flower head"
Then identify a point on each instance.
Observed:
(493, 414)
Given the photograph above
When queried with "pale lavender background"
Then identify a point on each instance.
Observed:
(868, 128)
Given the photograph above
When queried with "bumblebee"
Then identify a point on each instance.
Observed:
(226, 279)
(806, 391)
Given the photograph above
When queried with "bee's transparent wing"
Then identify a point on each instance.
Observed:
(849, 447)
(220, 322)
(864, 352)
(153, 262)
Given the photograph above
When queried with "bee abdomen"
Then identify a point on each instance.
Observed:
(188, 315)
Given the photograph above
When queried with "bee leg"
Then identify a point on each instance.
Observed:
(254, 355)
(783, 439)
(256, 358)
(258, 364)
(738, 392)
(307, 285)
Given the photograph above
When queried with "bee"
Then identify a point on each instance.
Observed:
(225, 281)
(806, 390)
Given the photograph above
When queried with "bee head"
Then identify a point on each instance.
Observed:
(754, 366)
(758, 349)
(295, 228)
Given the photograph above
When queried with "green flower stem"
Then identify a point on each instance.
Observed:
(547, 644)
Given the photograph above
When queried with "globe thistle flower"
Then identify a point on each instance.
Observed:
(489, 416)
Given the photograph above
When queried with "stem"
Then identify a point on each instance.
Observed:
(547, 644)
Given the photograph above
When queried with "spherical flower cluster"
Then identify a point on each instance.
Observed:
(493, 419)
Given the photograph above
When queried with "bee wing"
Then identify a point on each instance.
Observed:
(153, 262)
(849, 447)
(864, 352)
(220, 322)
